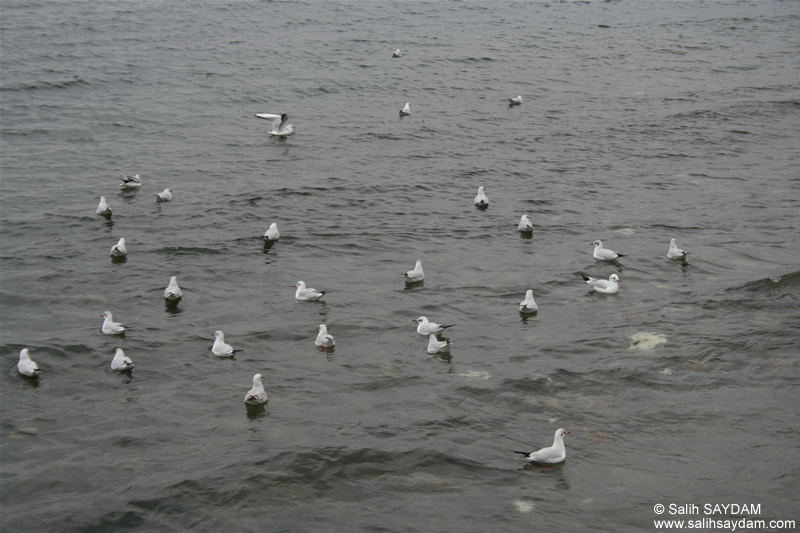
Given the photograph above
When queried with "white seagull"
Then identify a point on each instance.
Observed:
(220, 349)
(516, 100)
(416, 275)
(307, 293)
(164, 196)
(675, 252)
(280, 126)
(110, 327)
(481, 200)
(397, 53)
(551, 455)
(525, 224)
(324, 339)
(257, 395)
(436, 346)
(426, 328)
(272, 233)
(610, 286)
(25, 366)
(119, 249)
(173, 292)
(130, 182)
(528, 305)
(103, 209)
(406, 110)
(121, 362)
(604, 254)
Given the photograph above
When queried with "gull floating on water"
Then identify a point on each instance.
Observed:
(272, 233)
(675, 252)
(481, 200)
(173, 292)
(324, 339)
(307, 293)
(257, 395)
(426, 328)
(397, 53)
(103, 209)
(551, 455)
(416, 275)
(130, 182)
(515, 101)
(110, 327)
(610, 286)
(25, 366)
(121, 362)
(525, 224)
(406, 110)
(604, 254)
(164, 196)
(528, 305)
(119, 249)
(436, 346)
(220, 349)
(280, 125)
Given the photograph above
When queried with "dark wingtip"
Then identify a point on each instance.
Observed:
(585, 278)
(526, 454)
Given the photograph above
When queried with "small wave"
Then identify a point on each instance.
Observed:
(188, 250)
(47, 85)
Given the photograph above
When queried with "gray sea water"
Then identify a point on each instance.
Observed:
(641, 122)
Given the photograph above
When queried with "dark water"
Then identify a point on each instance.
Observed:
(642, 121)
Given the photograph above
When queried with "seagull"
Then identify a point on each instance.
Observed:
(481, 200)
(552, 455)
(426, 328)
(130, 182)
(307, 293)
(528, 305)
(525, 224)
(406, 110)
(436, 346)
(121, 362)
(164, 196)
(280, 127)
(416, 275)
(26, 367)
(119, 250)
(604, 254)
(110, 327)
(272, 234)
(220, 349)
(103, 209)
(324, 340)
(600, 285)
(515, 101)
(675, 252)
(397, 53)
(257, 395)
(173, 292)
